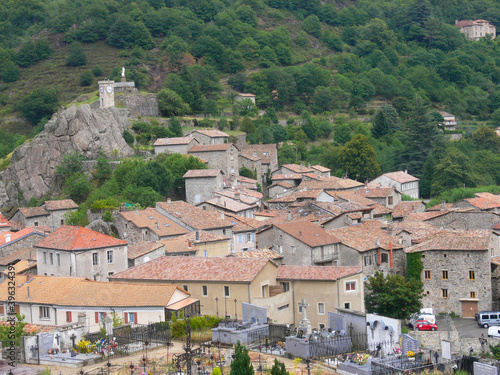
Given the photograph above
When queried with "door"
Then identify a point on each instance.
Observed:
(469, 309)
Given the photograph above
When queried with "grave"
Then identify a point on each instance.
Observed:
(254, 326)
(407, 343)
(484, 369)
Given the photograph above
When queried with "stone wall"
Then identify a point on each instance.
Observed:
(140, 104)
(24, 243)
(466, 220)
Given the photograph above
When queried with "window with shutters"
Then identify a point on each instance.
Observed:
(68, 317)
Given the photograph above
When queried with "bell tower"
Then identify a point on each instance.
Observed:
(107, 93)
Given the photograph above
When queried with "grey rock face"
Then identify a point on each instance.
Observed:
(33, 165)
(145, 105)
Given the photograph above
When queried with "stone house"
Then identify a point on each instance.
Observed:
(369, 246)
(279, 187)
(301, 243)
(58, 211)
(228, 205)
(11, 242)
(293, 169)
(209, 136)
(457, 272)
(253, 163)
(219, 156)
(475, 30)
(144, 251)
(406, 208)
(146, 225)
(244, 232)
(50, 214)
(450, 122)
(386, 196)
(268, 153)
(293, 179)
(321, 171)
(201, 184)
(465, 220)
(243, 96)
(244, 195)
(481, 202)
(401, 181)
(59, 301)
(331, 184)
(201, 244)
(324, 289)
(247, 183)
(178, 145)
(4, 224)
(220, 284)
(30, 217)
(78, 251)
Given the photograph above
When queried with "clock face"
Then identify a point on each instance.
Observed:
(101, 88)
(109, 89)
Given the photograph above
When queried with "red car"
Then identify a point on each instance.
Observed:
(424, 325)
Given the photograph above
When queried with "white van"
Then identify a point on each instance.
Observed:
(488, 318)
(422, 316)
(494, 332)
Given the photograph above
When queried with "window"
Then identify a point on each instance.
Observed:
(205, 253)
(321, 326)
(62, 222)
(44, 257)
(472, 294)
(51, 258)
(226, 291)
(58, 258)
(240, 238)
(197, 198)
(293, 249)
(204, 290)
(427, 274)
(249, 237)
(445, 274)
(389, 200)
(472, 275)
(444, 293)
(384, 258)
(281, 249)
(36, 223)
(264, 290)
(350, 285)
(368, 260)
(68, 317)
(321, 308)
(285, 285)
(347, 305)
(131, 317)
(44, 312)
(110, 273)
(185, 287)
(110, 256)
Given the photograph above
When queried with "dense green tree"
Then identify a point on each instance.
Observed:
(485, 138)
(175, 127)
(103, 169)
(453, 171)
(10, 335)
(71, 164)
(385, 121)
(359, 159)
(279, 133)
(77, 187)
(171, 104)
(76, 55)
(39, 104)
(86, 78)
(241, 364)
(9, 72)
(312, 25)
(393, 296)
(279, 368)
(247, 125)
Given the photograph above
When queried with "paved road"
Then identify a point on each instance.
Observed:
(468, 327)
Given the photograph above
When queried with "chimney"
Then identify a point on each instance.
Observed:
(391, 256)
(197, 235)
(300, 233)
(222, 216)
(137, 212)
(237, 196)
(289, 218)
(378, 242)
(7, 237)
(190, 245)
(169, 200)
(157, 227)
(29, 293)
(406, 171)
(443, 205)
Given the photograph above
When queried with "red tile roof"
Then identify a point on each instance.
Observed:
(331, 183)
(366, 236)
(258, 253)
(321, 168)
(466, 240)
(376, 192)
(404, 208)
(173, 141)
(178, 269)
(154, 221)
(317, 273)
(32, 329)
(244, 224)
(210, 148)
(485, 201)
(143, 247)
(63, 204)
(16, 236)
(309, 233)
(194, 173)
(465, 23)
(230, 204)
(291, 176)
(296, 168)
(78, 238)
(401, 177)
(4, 222)
(195, 217)
(33, 211)
(212, 133)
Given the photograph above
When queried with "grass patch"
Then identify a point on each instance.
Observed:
(5, 161)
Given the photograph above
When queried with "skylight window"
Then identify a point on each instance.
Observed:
(167, 225)
(151, 217)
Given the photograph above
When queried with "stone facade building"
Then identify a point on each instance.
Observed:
(465, 220)
(268, 154)
(475, 30)
(179, 145)
(49, 215)
(144, 251)
(11, 242)
(219, 156)
(78, 251)
(201, 184)
(253, 163)
(401, 181)
(457, 272)
(210, 136)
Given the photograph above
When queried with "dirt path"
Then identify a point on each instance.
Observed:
(158, 363)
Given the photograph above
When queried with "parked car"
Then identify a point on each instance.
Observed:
(414, 318)
(488, 318)
(494, 332)
(424, 325)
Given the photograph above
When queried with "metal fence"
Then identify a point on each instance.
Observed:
(403, 365)
(269, 337)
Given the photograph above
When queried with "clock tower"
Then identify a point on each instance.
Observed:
(107, 93)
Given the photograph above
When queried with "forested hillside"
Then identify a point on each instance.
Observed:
(363, 75)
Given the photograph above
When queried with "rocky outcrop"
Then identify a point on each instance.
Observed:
(32, 167)
(140, 104)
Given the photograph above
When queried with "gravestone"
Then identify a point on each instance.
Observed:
(407, 343)
(46, 342)
(484, 369)
(336, 321)
(254, 313)
(446, 349)
(304, 324)
(108, 325)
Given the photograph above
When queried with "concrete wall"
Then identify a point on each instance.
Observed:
(213, 248)
(74, 263)
(408, 188)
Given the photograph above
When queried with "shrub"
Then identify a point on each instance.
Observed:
(86, 78)
(76, 55)
(129, 138)
(97, 71)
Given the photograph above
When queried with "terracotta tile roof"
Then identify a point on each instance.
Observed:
(22, 266)
(424, 215)
(380, 210)
(33, 211)
(63, 204)
(331, 183)
(246, 95)
(227, 203)
(16, 236)
(179, 245)
(246, 180)
(212, 133)
(204, 237)
(178, 269)
(496, 226)
(266, 253)
(441, 207)
(71, 238)
(401, 177)
(352, 196)
(321, 168)
(364, 237)
(294, 176)
(309, 233)
(138, 249)
(375, 192)
(194, 173)
(210, 148)
(250, 157)
(4, 222)
(244, 224)
(297, 195)
(25, 253)
(194, 216)
(312, 176)
(316, 273)
(485, 201)
(78, 291)
(465, 23)
(476, 240)
(283, 184)
(419, 230)
(173, 141)
(296, 168)
(154, 221)
(404, 208)
(247, 196)
(265, 152)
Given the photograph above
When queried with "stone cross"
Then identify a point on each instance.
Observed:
(57, 338)
(72, 338)
(303, 305)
